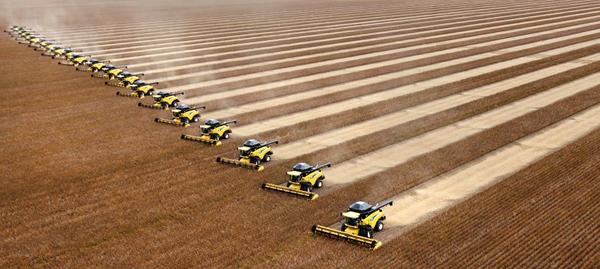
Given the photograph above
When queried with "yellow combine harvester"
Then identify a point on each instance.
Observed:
(44, 45)
(183, 115)
(101, 70)
(123, 79)
(16, 31)
(140, 89)
(75, 60)
(303, 179)
(63, 53)
(28, 38)
(91, 65)
(252, 154)
(360, 223)
(163, 100)
(112, 72)
(212, 132)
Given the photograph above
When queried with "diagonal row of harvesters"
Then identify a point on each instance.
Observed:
(360, 221)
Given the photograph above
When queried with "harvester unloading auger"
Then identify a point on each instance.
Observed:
(183, 115)
(252, 154)
(360, 223)
(212, 132)
(163, 100)
(303, 179)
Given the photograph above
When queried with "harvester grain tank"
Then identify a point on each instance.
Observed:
(252, 154)
(212, 132)
(303, 179)
(359, 225)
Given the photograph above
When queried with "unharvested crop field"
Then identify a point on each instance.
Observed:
(480, 119)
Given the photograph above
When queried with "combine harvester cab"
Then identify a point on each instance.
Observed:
(303, 179)
(212, 132)
(183, 115)
(361, 221)
(140, 89)
(163, 100)
(252, 154)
